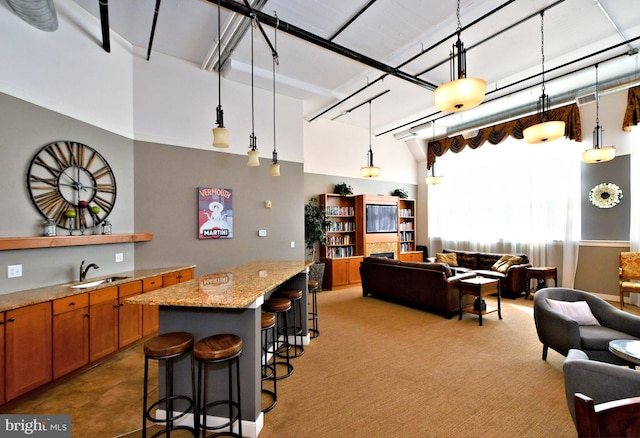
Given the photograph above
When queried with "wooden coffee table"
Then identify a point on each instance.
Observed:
(479, 287)
(542, 274)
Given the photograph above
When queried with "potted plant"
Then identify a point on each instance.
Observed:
(401, 193)
(343, 189)
(315, 231)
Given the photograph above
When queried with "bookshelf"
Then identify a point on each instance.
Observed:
(407, 230)
(342, 252)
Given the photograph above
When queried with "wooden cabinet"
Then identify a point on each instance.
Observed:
(414, 256)
(177, 277)
(150, 314)
(28, 349)
(406, 225)
(341, 272)
(103, 322)
(2, 324)
(70, 334)
(129, 315)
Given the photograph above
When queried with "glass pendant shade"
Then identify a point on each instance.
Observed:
(433, 180)
(220, 137)
(275, 169)
(370, 171)
(544, 132)
(460, 95)
(253, 158)
(598, 154)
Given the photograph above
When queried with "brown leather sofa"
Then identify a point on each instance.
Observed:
(513, 283)
(428, 286)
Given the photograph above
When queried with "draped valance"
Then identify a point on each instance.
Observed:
(495, 134)
(632, 113)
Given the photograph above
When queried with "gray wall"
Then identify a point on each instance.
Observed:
(606, 223)
(166, 183)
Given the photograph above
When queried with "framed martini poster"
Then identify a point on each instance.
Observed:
(215, 213)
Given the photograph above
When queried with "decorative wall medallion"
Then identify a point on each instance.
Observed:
(605, 195)
(72, 184)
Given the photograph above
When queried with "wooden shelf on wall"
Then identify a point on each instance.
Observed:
(10, 243)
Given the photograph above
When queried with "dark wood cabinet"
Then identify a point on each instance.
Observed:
(103, 322)
(341, 272)
(129, 315)
(28, 349)
(70, 334)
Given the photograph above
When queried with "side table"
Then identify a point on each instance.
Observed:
(542, 274)
(478, 287)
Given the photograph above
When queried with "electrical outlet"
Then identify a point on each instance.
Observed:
(262, 233)
(119, 257)
(14, 271)
(293, 244)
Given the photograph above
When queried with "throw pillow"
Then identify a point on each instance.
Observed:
(579, 311)
(450, 258)
(505, 262)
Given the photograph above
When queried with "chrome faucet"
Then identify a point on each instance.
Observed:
(83, 270)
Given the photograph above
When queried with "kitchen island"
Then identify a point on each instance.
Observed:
(228, 301)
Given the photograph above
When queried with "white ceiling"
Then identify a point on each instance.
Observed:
(503, 48)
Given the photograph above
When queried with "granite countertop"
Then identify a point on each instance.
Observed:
(48, 293)
(235, 288)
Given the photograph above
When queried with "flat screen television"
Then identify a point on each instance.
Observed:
(382, 218)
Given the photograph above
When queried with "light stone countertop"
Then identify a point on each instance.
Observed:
(48, 293)
(234, 288)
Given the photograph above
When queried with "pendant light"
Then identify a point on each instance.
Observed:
(220, 133)
(545, 130)
(275, 166)
(461, 93)
(370, 171)
(253, 147)
(433, 179)
(599, 153)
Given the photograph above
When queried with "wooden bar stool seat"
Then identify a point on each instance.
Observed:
(219, 349)
(166, 348)
(294, 330)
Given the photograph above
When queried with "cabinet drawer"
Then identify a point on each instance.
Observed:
(152, 283)
(68, 304)
(130, 288)
(102, 295)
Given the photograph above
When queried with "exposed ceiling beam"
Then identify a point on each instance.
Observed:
(104, 22)
(322, 42)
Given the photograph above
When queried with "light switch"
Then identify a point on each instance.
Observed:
(262, 233)
(267, 204)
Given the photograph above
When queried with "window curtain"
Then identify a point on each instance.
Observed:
(511, 197)
(632, 113)
(496, 134)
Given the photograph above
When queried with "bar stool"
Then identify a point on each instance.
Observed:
(280, 306)
(295, 295)
(268, 371)
(313, 286)
(167, 347)
(218, 349)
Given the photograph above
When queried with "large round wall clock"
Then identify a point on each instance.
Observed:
(72, 184)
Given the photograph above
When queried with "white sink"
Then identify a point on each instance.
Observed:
(86, 285)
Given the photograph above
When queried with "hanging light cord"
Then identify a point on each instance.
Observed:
(542, 48)
(597, 99)
(370, 164)
(219, 113)
(252, 137)
(275, 61)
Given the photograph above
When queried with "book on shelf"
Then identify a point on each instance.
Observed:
(336, 210)
(341, 227)
(406, 212)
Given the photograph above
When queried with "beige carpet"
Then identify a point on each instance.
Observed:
(379, 369)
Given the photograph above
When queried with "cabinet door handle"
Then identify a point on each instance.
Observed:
(87, 314)
(11, 319)
(72, 303)
(2, 322)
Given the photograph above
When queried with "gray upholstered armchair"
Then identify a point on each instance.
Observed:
(600, 381)
(558, 331)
